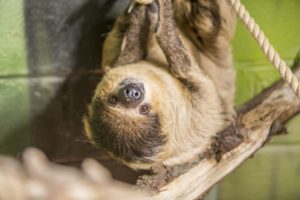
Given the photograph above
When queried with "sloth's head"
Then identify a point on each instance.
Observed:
(127, 112)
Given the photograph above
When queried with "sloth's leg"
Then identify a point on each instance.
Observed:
(126, 43)
(178, 57)
(209, 23)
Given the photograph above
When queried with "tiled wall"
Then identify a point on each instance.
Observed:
(49, 51)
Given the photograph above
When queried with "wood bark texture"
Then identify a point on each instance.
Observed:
(257, 121)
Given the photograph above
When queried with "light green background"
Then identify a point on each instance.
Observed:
(14, 96)
(280, 20)
(274, 173)
(12, 51)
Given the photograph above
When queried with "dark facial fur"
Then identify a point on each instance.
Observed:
(130, 139)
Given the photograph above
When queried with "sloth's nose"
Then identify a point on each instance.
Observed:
(131, 95)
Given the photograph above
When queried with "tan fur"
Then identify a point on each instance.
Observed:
(188, 119)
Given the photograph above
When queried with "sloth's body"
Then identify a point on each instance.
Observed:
(165, 105)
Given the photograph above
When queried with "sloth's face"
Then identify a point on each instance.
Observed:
(125, 115)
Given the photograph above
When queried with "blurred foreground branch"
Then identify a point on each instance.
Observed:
(39, 179)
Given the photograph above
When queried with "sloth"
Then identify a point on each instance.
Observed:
(168, 84)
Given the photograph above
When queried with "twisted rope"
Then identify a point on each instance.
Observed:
(273, 56)
(286, 73)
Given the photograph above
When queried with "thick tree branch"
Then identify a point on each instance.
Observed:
(257, 121)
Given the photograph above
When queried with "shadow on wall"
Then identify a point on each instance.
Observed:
(64, 40)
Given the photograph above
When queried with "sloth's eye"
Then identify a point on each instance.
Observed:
(112, 100)
(144, 109)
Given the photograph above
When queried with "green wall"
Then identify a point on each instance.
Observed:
(280, 20)
(12, 51)
(14, 96)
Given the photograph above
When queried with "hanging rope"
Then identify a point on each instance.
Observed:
(273, 56)
(285, 72)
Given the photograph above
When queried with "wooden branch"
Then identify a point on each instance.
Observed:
(257, 121)
(39, 179)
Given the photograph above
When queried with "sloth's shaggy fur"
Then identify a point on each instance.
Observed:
(185, 66)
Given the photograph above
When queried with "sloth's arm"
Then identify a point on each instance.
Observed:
(177, 55)
(113, 41)
(126, 43)
(209, 23)
(133, 48)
